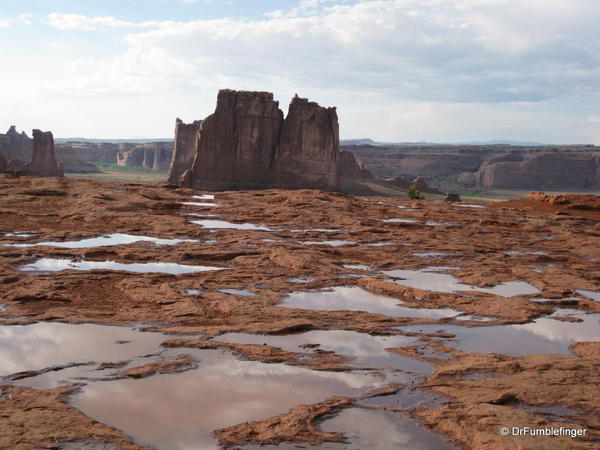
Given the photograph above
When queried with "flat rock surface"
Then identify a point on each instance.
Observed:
(551, 245)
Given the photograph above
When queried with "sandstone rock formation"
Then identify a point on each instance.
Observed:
(399, 182)
(544, 169)
(424, 188)
(452, 198)
(352, 167)
(308, 147)
(247, 144)
(43, 162)
(152, 156)
(184, 149)
(487, 166)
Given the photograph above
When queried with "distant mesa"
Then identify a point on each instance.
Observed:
(248, 144)
(15, 148)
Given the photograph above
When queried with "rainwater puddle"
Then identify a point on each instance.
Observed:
(332, 243)
(200, 204)
(318, 230)
(356, 267)
(193, 291)
(555, 412)
(379, 430)
(543, 336)
(243, 292)
(544, 300)
(351, 298)
(366, 350)
(222, 224)
(378, 244)
(429, 254)
(17, 234)
(399, 220)
(300, 280)
(428, 279)
(107, 240)
(57, 265)
(465, 205)
(475, 318)
(518, 252)
(42, 345)
(438, 224)
(204, 197)
(590, 294)
(180, 411)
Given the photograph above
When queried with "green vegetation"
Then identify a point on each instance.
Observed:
(113, 167)
(113, 173)
(413, 193)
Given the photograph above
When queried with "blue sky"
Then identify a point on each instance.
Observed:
(398, 70)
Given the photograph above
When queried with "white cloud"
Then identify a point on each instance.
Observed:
(4, 23)
(397, 69)
(25, 19)
(69, 22)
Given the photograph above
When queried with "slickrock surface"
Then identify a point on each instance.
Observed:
(548, 243)
(33, 419)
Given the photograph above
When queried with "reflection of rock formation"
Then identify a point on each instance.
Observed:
(184, 149)
(43, 162)
(246, 143)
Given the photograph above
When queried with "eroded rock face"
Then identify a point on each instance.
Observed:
(237, 143)
(546, 169)
(488, 166)
(43, 162)
(352, 167)
(308, 147)
(184, 149)
(152, 156)
(247, 144)
(423, 187)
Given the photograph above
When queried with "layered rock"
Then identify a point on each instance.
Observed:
(151, 156)
(542, 170)
(236, 144)
(487, 166)
(43, 162)
(247, 144)
(352, 167)
(308, 147)
(184, 149)
(423, 187)
(15, 148)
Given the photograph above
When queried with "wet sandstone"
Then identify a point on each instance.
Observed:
(556, 247)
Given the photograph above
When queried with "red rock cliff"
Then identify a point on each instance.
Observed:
(247, 144)
(43, 162)
(185, 148)
(308, 147)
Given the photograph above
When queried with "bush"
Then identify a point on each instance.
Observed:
(413, 193)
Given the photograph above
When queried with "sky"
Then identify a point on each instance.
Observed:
(397, 70)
